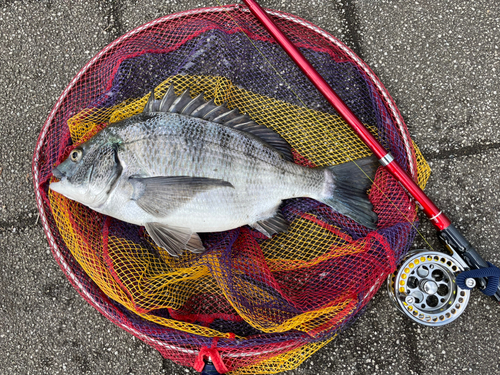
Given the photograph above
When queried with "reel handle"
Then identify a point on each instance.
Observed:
(456, 243)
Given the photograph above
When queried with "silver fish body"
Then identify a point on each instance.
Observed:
(179, 174)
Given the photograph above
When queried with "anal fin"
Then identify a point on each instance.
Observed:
(272, 225)
(174, 239)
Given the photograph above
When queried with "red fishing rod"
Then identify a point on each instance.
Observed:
(463, 256)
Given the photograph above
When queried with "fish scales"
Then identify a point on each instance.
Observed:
(179, 174)
(175, 145)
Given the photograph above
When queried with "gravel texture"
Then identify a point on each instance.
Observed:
(440, 61)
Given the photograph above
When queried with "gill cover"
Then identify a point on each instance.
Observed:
(89, 177)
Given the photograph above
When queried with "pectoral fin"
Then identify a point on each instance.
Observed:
(159, 196)
(174, 239)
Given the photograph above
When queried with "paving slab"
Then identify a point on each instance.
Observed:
(438, 59)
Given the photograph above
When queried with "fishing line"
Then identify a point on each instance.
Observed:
(317, 120)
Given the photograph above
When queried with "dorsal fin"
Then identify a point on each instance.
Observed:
(225, 117)
(167, 100)
(217, 111)
(242, 119)
(150, 103)
(210, 111)
(180, 102)
(203, 109)
(192, 105)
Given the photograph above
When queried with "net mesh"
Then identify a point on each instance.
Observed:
(254, 305)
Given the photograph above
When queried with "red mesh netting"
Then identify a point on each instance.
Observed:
(253, 305)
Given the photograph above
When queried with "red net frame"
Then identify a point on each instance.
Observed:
(176, 349)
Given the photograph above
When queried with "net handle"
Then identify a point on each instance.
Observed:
(436, 216)
(451, 237)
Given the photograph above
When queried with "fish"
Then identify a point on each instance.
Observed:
(186, 165)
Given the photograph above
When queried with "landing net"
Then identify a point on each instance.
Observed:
(254, 305)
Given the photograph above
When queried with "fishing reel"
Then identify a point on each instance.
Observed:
(433, 288)
(424, 287)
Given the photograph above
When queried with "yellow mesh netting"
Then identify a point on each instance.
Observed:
(142, 282)
(283, 362)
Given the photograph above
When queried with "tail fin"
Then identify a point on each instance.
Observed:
(347, 191)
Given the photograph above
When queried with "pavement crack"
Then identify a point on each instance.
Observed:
(353, 38)
(113, 18)
(22, 221)
(474, 149)
(409, 339)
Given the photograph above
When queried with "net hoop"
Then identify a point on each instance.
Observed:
(102, 305)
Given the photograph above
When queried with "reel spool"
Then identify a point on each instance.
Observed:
(424, 288)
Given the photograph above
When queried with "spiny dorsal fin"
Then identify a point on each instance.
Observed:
(210, 111)
(217, 111)
(225, 117)
(193, 104)
(180, 102)
(150, 103)
(237, 120)
(203, 109)
(167, 100)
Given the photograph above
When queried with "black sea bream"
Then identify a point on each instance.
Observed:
(185, 166)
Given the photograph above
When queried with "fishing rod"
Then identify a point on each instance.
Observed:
(431, 287)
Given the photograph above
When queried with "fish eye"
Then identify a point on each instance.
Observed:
(76, 154)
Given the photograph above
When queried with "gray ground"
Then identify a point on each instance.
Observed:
(440, 61)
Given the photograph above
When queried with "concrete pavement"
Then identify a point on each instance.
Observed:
(440, 61)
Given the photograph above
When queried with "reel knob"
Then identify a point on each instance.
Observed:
(424, 288)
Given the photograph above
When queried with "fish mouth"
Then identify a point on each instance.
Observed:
(58, 174)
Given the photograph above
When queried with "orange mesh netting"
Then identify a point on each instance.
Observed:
(254, 305)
